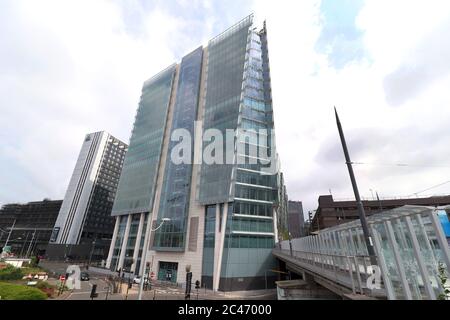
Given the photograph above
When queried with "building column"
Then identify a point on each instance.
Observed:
(275, 225)
(145, 248)
(216, 247)
(113, 242)
(219, 243)
(124, 243)
(138, 243)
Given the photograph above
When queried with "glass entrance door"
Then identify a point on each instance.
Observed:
(168, 271)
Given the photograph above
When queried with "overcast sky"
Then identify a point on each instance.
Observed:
(72, 67)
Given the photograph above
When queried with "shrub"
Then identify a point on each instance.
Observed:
(44, 285)
(47, 288)
(34, 262)
(11, 273)
(33, 271)
(10, 291)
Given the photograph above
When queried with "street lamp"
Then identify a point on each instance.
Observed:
(144, 257)
(92, 251)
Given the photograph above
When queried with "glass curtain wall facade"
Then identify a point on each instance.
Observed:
(223, 215)
(137, 182)
(238, 97)
(226, 61)
(174, 203)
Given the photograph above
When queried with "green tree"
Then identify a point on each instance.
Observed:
(442, 274)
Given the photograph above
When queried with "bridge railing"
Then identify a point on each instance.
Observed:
(353, 272)
(411, 250)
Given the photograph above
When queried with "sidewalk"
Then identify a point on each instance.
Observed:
(173, 293)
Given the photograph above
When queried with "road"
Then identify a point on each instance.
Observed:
(158, 292)
(85, 290)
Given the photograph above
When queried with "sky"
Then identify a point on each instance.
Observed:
(70, 67)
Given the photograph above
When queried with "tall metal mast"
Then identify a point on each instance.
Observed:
(361, 212)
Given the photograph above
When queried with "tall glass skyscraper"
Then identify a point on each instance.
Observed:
(201, 182)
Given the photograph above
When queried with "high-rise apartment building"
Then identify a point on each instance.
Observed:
(84, 225)
(201, 185)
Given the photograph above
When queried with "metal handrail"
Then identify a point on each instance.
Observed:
(337, 263)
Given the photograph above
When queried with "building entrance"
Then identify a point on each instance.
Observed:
(168, 271)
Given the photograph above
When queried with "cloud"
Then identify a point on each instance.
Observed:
(424, 64)
(69, 68)
(72, 67)
(306, 86)
(340, 38)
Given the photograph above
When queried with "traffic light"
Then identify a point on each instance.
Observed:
(188, 285)
(94, 294)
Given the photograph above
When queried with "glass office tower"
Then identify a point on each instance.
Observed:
(224, 215)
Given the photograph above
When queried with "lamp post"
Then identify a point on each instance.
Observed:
(92, 251)
(290, 243)
(361, 212)
(144, 256)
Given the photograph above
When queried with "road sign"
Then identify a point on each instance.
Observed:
(152, 275)
(62, 278)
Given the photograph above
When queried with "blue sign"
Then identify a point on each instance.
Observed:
(443, 218)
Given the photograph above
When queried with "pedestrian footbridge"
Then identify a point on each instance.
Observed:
(412, 256)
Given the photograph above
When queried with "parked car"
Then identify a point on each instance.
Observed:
(137, 279)
(84, 276)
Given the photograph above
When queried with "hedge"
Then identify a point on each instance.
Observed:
(11, 273)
